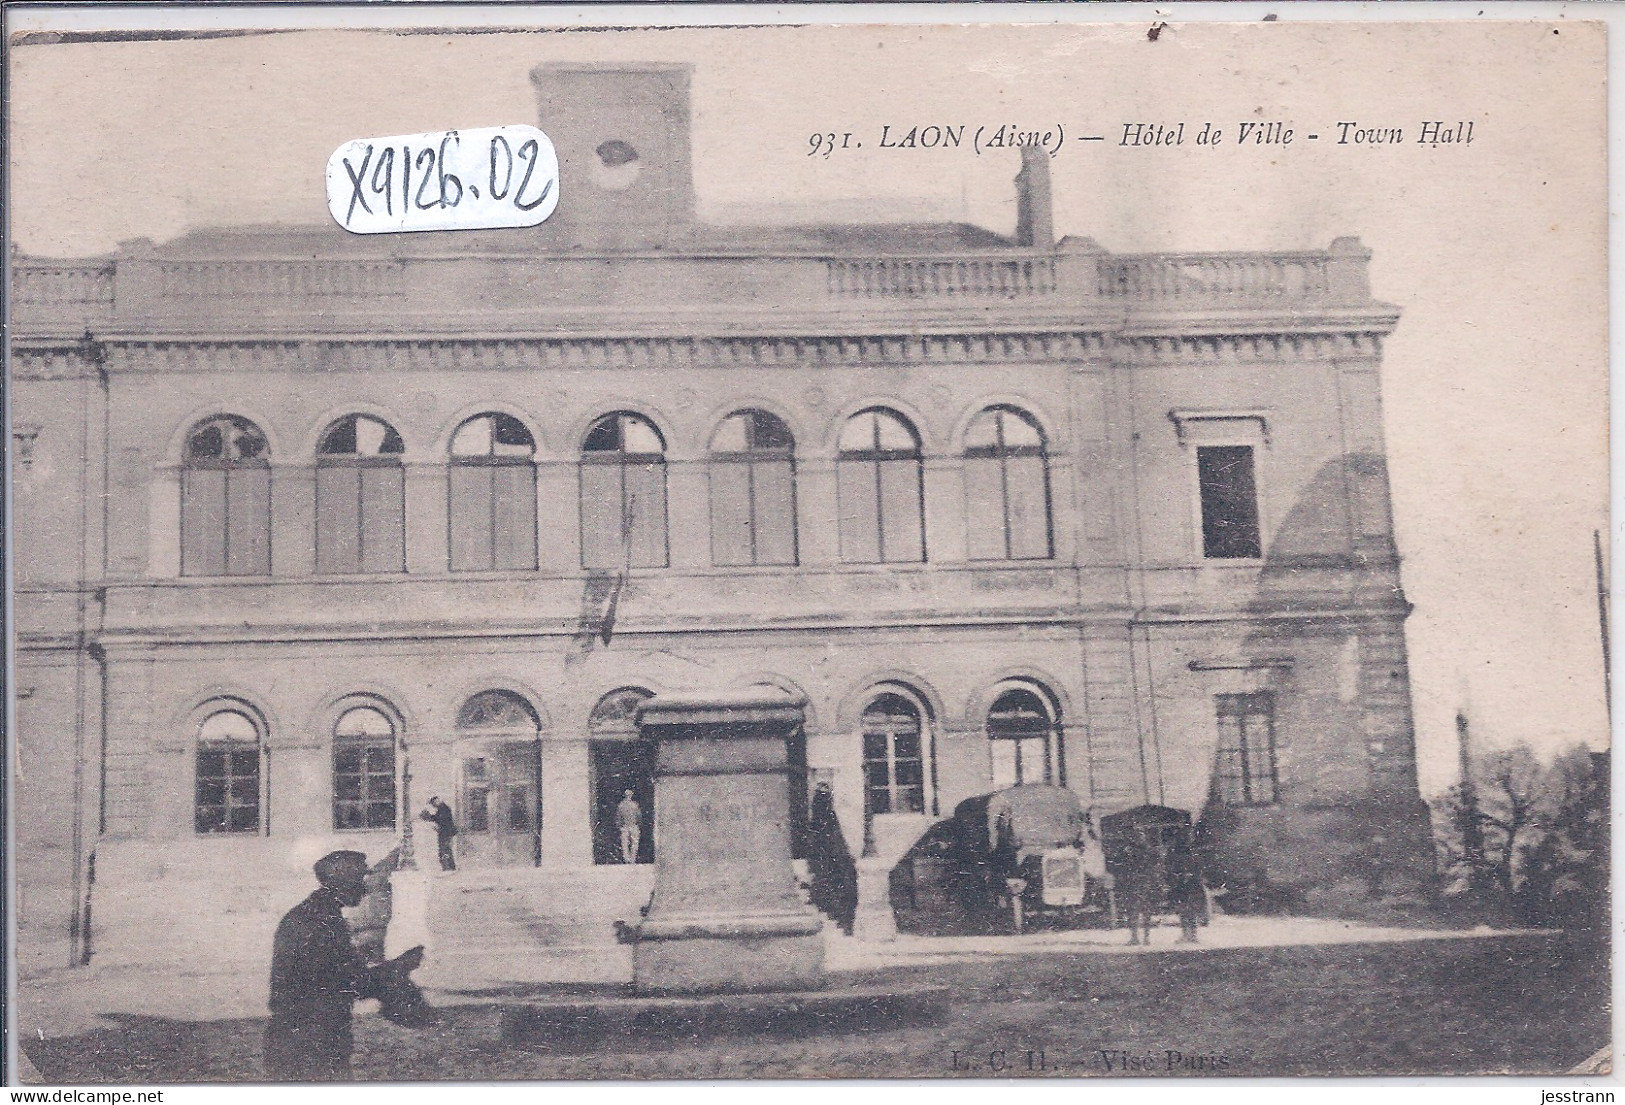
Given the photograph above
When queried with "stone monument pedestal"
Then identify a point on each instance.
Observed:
(726, 914)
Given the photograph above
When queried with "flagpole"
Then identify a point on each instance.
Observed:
(1602, 621)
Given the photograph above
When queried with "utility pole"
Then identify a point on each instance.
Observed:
(1470, 820)
(1602, 621)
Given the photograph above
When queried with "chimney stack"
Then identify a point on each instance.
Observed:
(1035, 223)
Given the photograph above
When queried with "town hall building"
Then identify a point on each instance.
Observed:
(310, 527)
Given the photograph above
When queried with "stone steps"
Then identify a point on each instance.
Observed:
(489, 929)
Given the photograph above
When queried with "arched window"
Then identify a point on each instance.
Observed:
(753, 491)
(498, 710)
(623, 494)
(227, 797)
(226, 500)
(881, 490)
(894, 756)
(364, 770)
(1007, 501)
(616, 715)
(1024, 739)
(502, 789)
(621, 762)
(360, 497)
(492, 495)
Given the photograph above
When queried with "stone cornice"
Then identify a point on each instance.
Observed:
(64, 360)
(387, 354)
(1247, 348)
(59, 362)
(654, 628)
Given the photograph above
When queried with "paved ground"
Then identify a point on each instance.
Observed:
(1259, 997)
(1224, 932)
(73, 1002)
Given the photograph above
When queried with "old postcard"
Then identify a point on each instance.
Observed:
(867, 551)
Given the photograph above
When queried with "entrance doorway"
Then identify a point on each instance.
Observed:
(501, 822)
(618, 767)
(621, 761)
(500, 754)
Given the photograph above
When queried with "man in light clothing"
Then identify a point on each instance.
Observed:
(629, 819)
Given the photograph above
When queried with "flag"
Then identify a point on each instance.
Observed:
(602, 596)
(607, 625)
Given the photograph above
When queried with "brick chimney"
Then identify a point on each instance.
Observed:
(1035, 223)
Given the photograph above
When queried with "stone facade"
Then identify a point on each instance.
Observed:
(1146, 654)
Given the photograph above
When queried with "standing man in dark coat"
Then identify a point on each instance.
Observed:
(1187, 894)
(830, 868)
(1142, 884)
(445, 827)
(317, 976)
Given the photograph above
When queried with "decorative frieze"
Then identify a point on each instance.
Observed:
(59, 363)
(1247, 348)
(541, 354)
(441, 355)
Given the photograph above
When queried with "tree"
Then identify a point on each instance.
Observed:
(1507, 804)
(1566, 870)
(1485, 822)
(1519, 836)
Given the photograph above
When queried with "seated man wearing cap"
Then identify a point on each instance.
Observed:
(317, 976)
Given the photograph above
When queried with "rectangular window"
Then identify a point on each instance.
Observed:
(601, 519)
(645, 507)
(492, 517)
(623, 515)
(203, 521)
(364, 785)
(519, 807)
(753, 514)
(1021, 760)
(1027, 504)
(1007, 501)
(1245, 768)
(902, 523)
(893, 772)
(731, 513)
(248, 522)
(859, 511)
(360, 518)
(383, 519)
(476, 796)
(877, 772)
(1229, 502)
(984, 499)
(228, 789)
(470, 518)
(773, 498)
(513, 517)
(226, 521)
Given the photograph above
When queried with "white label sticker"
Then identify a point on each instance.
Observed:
(449, 180)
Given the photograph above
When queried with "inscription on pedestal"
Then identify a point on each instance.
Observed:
(726, 914)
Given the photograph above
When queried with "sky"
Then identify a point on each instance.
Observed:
(1495, 382)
